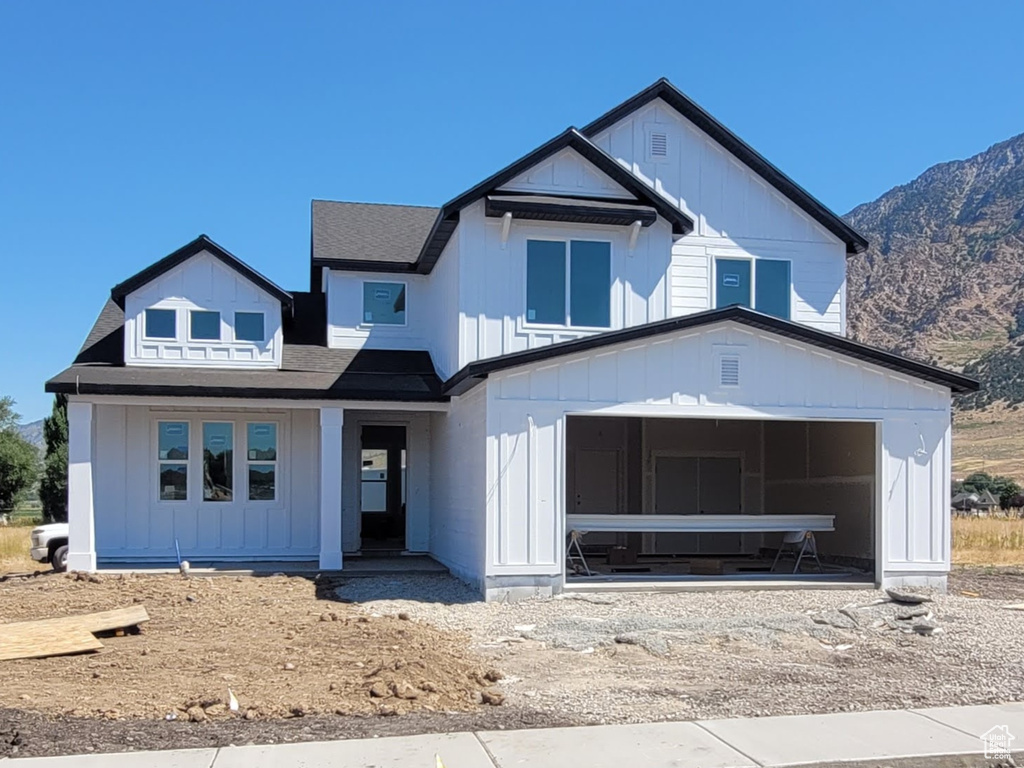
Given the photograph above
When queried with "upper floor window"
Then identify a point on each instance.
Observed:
(763, 284)
(384, 303)
(249, 326)
(573, 291)
(204, 325)
(160, 324)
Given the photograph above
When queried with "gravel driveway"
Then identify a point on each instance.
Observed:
(638, 657)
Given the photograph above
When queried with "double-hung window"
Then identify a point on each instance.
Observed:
(218, 461)
(568, 282)
(172, 460)
(763, 284)
(261, 460)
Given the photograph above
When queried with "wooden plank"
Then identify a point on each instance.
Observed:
(64, 634)
(102, 621)
(28, 642)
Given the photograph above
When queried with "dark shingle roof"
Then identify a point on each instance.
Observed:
(357, 232)
(310, 370)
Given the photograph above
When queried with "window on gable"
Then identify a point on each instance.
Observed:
(249, 326)
(160, 324)
(384, 303)
(573, 291)
(204, 325)
(763, 284)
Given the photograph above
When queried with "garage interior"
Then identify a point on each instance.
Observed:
(678, 466)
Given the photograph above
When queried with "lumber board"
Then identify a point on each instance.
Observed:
(64, 634)
(102, 621)
(28, 642)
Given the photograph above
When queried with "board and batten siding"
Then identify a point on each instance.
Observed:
(492, 283)
(202, 282)
(431, 311)
(734, 209)
(675, 376)
(132, 525)
(458, 440)
(566, 174)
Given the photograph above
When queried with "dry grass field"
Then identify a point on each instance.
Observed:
(988, 541)
(14, 545)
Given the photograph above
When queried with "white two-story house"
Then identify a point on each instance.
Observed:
(642, 320)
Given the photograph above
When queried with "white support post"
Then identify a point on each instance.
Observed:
(331, 421)
(81, 525)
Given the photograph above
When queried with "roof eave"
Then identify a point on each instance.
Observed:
(187, 251)
(667, 92)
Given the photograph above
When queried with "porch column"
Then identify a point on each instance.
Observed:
(331, 421)
(81, 526)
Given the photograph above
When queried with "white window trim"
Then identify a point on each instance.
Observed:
(146, 337)
(220, 326)
(155, 451)
(753, 277)
(194, 482)
(363, 322)
(528, 324)
(276, 462)
(234, 457)
(234, 326)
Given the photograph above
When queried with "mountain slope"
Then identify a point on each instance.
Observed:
(33, 433)
(944, 276)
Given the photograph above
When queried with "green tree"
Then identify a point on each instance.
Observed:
(53, 488)
(19, 462)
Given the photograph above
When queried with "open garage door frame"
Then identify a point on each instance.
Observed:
(841, 464)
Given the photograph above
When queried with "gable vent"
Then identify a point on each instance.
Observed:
(658, 146)
(729, 372)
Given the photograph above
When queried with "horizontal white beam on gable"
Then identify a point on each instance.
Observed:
(256, 403)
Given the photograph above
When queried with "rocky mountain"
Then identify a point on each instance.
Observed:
(33, 432)
(943, 279)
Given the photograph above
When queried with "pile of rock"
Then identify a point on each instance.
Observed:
(905, 610)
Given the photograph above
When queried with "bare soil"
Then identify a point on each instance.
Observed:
(728, 654)
(285, 646)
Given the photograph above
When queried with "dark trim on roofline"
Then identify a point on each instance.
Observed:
(357, 265)
(448, 216)
(175, 390)
(474, 373)
(523, 207)
(187, 251)
(664, 90)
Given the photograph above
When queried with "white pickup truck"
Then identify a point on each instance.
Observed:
(50, 545)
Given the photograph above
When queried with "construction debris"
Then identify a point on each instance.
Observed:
(64, 635)
(907, 596)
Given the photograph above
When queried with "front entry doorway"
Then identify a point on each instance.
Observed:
(382, 488)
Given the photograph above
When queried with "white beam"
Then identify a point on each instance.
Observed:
(506, 225)
(81, 525)
(331, 421)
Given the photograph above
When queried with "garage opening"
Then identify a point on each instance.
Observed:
(734, 499)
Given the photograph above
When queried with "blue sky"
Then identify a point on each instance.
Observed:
(126, 129)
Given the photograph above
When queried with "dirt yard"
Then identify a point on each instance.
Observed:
(304, 657)
(285, 646)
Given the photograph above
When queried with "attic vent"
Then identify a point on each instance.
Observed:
(729, 371)
(658, 144)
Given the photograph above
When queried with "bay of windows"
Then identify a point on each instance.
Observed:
(568, 282)
(217, 463)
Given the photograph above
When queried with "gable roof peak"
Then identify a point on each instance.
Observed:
(663, 89)
(186, 252)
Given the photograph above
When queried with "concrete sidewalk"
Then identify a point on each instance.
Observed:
(924, 737)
